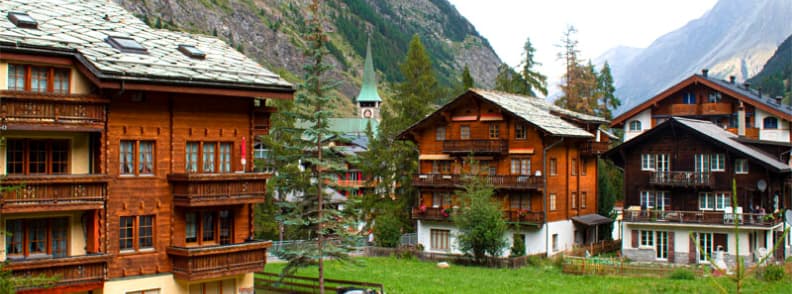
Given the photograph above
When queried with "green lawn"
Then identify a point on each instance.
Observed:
(414, 276)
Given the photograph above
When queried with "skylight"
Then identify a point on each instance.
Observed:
(22, 20)
(126, 44)
(192, 51)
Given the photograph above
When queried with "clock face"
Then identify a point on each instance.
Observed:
(367, 113)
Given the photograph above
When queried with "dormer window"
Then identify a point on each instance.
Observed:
(635, 126)
(770, 122)
(192, 51)
(22, 20)
(127, 45)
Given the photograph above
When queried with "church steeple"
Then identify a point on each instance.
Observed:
(368, 99)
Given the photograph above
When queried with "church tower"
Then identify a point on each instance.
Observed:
(369, 101)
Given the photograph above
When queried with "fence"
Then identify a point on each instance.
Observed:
(272, 283)
(409, 239)
(614, 266)
(597, 248)
(499, 262)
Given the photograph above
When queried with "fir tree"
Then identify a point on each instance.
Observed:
(480, 220)
(534, 81)
(418, 90)
(467, 79)
(606, 93)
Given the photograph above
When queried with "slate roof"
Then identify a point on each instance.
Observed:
(751, 94)
(82, 26)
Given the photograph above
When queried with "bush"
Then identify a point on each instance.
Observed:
(682, 274)
(387, 231)
(519, 246)
(535, 260)
(772, 273)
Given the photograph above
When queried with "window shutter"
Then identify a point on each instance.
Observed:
(692, 251)
(634, 238)
(671, 246)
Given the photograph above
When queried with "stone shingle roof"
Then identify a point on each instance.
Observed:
(82, 26)
(751, 94)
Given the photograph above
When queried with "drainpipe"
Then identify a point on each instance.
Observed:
(544, 191)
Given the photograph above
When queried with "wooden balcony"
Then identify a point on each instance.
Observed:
(498, 181)
(750, 133)
(194, 190)
(681, 179)
(703, 217)
(432, 213)
(684, 109)
(199, 263)
(53, 193)
(355, 184)
(719, 108)
(475, 146)
(593, 148)
(511, 216)
(27, 110)
(79, 273)
(523, 216)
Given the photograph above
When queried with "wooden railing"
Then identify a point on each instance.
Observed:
(594, 148)
(27, 107)
(716, 108)
(69, 270)
(613, 266)
(703, 217)
(475, 146)
(684, 109)
(198, 263)
(595, 248)
(513, 216)
(681, 178)
(498, 181)
(53, 193)
(751, 133)
(524, 216)
(218, 189)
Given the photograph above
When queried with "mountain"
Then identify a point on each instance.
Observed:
(735, 37)
(776, 72)
(268, 31)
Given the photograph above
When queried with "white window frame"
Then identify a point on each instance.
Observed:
(648, 198)
(721, 201)
(718, 162)
(645, 239)
(632, 126)
(741, 166)
(661, 245)
(648, 162)
(706, 201)
(705, 242)
(440, 134)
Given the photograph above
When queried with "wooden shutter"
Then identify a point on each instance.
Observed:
(720, 240)
(634, 238)
(671, 246)
(692, 251)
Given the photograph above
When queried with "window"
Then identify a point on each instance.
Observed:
(519, 201)
(741, 166)
(714, 97)
(706, 245)
(553, 167)
(574, 199)
(520, 131)
(136, 157)
(689, 98)
(22, 20)
(573, 167)
(521, 166)
(439, 239)
(208, 157)
(192, 51)
(718, 162)
(552, 201)
(647, 199)
(25, 156)
(191, 160)
(208, 227)
(770, 122)
(646, 239)
(464, 132)
(661, 249)
(441, 200)
(494, 131)
(39, 79)
(136, 233)
(647, 162)
(555, 242)
(125, 44)
(713, 200)
(662, 200)
(440, 134)
(583, 167)
(582, 199)
(36, 237)
(635, 126)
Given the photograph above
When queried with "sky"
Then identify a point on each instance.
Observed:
(601, 25)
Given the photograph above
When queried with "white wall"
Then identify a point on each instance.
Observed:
(779, 135)
(682, 237)
(645, 117)
(534, 238)
(566, 235)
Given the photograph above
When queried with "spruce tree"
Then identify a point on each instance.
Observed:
(606, 93)
(480, 220)
(534, 80)
(467, 79)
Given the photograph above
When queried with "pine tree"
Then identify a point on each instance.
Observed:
(534, 81)
(418, 90)
(606, 93)
(467, 79)
(580, 81)
(308, 143)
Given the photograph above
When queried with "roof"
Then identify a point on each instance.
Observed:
(715, 133)
(542, 114)
(740, 92)
(592, 219)
(368, 89)
(347, 125)
(81, 28)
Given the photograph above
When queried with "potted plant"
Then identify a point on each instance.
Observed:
(446, 212)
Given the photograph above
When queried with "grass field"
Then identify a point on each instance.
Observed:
(414, 276)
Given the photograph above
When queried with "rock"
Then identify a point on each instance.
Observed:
(443, 264)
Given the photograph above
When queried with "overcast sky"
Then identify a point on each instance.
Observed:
(601, 25)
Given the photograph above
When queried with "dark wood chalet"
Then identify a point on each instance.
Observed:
(541, 159)
(678, 180)
(125, 157)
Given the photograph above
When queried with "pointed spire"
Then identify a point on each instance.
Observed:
(368, 90)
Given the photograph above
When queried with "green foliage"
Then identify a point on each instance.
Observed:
(518, 249)
(605, 93)
(331, 47)
(772, 273)
(480, 221)
(775, 79)
(609, 189)
(467, 79)
(387, 230)
(532, 80)
(535, 260)
(682, 274)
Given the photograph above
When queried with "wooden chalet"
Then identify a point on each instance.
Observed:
(678, 183)
(540, 158)
(748, 112)
(125, 157)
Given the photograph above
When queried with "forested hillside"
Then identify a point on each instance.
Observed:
(776, 76)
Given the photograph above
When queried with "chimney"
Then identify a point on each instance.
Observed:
(746, 85)
(741, 120)
(778, 99)
(731, 80)
(759, 92)
(704, 72)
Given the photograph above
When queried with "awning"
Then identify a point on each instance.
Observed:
(591, 219)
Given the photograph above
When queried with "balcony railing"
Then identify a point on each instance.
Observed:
(218, 189)
(53, 193)
(681, 179)
(703, 217)
(716, 108)
(751, 133)
(476, 146)
(594, 148)
(444, 214)
(684, 109)
(200, 263)
(498, 181)
(42, 108)
(524, 216)
(71, 271)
